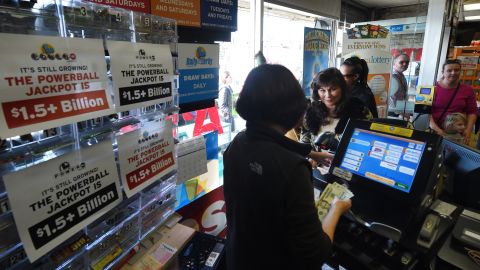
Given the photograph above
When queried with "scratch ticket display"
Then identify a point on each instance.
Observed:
(50, 81)
(145, 155)
(65, 194)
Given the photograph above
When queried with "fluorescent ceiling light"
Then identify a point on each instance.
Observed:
(469, 7)
(472, 18)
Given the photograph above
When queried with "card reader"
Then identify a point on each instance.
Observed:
(424, 99)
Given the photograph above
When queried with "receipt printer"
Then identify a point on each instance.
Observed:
(424, 99)
(467, 230)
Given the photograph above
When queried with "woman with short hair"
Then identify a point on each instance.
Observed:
(272, 220)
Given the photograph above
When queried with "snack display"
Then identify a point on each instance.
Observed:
(367, 31)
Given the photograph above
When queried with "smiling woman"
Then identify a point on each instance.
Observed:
(331, 107)
(453, 97)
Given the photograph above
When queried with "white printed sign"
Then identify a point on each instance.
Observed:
(54, 200)
(145, 155)
(50, 81)
(142, 74)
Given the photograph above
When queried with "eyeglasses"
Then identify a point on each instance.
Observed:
(348, 75)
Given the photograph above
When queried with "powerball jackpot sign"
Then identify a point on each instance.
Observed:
(69, 192)
(47, 82)
(145, 155)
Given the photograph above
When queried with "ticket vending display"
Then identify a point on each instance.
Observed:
(391, 170)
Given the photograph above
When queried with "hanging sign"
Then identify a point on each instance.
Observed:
(185, 12)
(220, 14)
(198, 66)
(142, 74)
(145, 155)
(54, 200)
(135, 5)
(316, 44)
(48, 81)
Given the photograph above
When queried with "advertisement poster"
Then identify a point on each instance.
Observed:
(198, 66)
(135, 5)
(315, 55)
(65, 194)
(50, 81)
(207, 214)
(220, 14)
(185, 12)
(372, 43)
(142, 74)
(145, 155)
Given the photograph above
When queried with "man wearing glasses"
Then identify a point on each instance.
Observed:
(398, 84)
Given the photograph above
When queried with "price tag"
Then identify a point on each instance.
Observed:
(142, 73)
(65, 194)
(145, 155)
(49, 81)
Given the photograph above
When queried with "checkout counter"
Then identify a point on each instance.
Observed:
(405, 214)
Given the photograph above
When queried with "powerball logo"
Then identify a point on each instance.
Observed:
(200, 58)
(47, 52)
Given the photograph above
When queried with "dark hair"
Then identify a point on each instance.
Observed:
(317, 112)
(271, 94)
(450, 62)
(359, 67)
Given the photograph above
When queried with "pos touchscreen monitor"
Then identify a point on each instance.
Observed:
(391, 170)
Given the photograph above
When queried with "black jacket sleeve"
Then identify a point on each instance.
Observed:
(308, 243)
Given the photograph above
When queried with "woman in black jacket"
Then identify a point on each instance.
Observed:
(271, 215)
(355, 73)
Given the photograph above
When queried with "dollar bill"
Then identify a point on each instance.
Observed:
(327, 196)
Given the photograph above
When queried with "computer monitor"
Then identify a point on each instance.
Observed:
(391, 170)
(463, 165)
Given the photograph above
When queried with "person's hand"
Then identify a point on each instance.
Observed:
(313, 163)
(340, 206)
(467, 134)
(322, 158)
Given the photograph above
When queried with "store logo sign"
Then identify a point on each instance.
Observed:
(47, 52)
(200, 58)
(142, 55)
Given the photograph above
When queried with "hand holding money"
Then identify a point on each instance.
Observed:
(336, 195)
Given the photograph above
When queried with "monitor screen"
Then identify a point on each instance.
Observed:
(425, 91)
(389, 160)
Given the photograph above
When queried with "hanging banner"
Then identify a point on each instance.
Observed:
(145, 155)
(48, 81)
(198, 65)
(54, 200)
(315, 55)
(220, 14)
(135, 5)
(185, 12)
(142, 74)
(372, 43)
